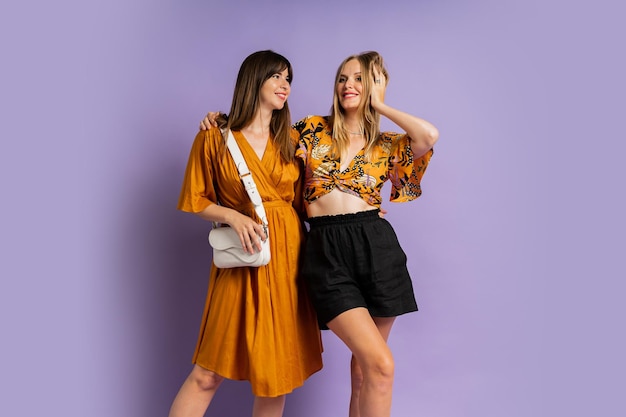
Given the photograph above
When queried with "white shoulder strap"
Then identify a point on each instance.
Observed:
(245, 175)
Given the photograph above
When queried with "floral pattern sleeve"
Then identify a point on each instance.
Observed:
(405, 172)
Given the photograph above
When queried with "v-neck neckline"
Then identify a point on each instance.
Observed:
(351, 162)
(249, 145)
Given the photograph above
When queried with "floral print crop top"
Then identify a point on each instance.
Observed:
(362, 178)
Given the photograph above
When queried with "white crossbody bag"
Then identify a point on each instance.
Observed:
(227, 249)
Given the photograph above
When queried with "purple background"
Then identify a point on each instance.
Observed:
(516, 247)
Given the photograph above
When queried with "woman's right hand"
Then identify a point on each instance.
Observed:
(209, 120)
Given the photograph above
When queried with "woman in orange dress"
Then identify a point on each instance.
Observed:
(258, 324)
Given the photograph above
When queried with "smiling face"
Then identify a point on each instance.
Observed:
(275, 90)
(349, 86)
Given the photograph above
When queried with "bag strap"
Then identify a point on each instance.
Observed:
(245, 176)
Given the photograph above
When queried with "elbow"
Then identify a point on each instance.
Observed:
(425, 141)
(432, 136)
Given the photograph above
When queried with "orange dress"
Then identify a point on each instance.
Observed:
(258, 323)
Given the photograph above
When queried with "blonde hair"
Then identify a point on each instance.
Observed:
(370, 119)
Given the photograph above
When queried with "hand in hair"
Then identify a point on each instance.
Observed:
(379, 86)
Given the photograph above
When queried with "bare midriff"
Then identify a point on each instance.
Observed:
(337, 202)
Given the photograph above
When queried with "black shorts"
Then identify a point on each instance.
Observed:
(355, 260)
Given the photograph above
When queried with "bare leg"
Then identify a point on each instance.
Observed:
(196, 393)
(359, 332)
(384, 325)
(356, 379)
(268, 406)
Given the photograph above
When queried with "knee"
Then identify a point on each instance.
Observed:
(356, 375)
(204, 379)
(381, 369)
(385, 366)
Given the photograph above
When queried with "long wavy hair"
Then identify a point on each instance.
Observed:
(370, 119)
(257, 68)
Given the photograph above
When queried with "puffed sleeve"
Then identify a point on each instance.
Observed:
(198, 190)
(298, 133)
(298, 200)
(405, 171)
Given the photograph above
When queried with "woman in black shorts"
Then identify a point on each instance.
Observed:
(353, 264)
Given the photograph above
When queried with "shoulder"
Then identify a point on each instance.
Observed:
(208, 139)
(213, 135)
(392, 137)
(311, 118)
(391, 140)
(392, 143)
(311, 123)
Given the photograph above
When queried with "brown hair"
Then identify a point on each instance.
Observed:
(370, 120)
(254, 71)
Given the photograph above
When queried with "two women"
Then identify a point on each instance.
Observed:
(353, 265)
